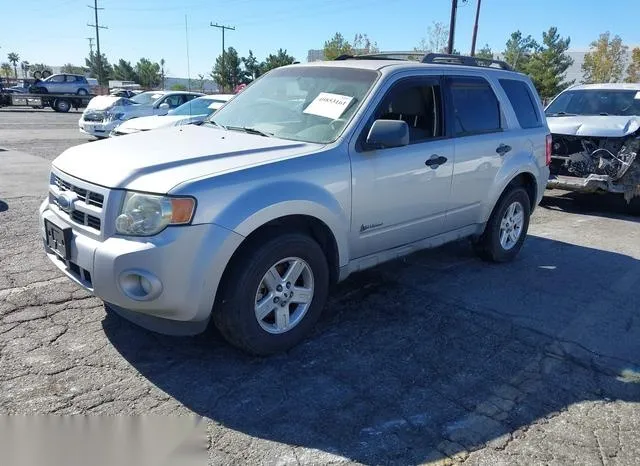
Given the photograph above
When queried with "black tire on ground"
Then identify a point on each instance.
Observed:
(234, 312)
(488, 246)
(62, 105)
(82, 92)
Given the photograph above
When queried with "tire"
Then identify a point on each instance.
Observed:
(489, 246)
(245, 285)
(62, 105)
(82, 92)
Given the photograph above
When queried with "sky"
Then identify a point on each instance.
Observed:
(56, 34)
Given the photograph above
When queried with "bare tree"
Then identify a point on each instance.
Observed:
(436, 40)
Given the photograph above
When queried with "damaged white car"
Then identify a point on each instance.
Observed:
(596, 140)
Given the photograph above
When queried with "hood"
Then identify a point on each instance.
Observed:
(102, 102)
(157, 161)
(153, 122)
(611, 126)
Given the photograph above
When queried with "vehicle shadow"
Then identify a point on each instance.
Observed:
(602, 205)
(3, 206)
(421, 358)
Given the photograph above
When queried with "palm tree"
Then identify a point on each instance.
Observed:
(5, 69)
(14, 58)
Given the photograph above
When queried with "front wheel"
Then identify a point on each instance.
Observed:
(507, 227)
(273, 294)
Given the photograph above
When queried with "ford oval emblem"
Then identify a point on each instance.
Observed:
(65, 200)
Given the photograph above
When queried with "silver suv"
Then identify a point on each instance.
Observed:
(313, 172)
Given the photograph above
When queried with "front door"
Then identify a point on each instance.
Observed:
(400, 195)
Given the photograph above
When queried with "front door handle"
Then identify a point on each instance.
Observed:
(435, 161)
(503, 149)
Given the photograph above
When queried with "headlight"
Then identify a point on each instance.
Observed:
(115, 116)
(147, 214)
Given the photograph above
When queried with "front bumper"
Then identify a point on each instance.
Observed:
(99, 129)
(186, 261)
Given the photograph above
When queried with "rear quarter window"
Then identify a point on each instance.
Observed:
(475, 106)
(523, 103)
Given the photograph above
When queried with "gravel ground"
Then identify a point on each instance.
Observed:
(435, 358)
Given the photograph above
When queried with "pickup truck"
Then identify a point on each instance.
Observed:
(313, 172)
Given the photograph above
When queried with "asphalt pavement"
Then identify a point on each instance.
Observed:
(438, 357)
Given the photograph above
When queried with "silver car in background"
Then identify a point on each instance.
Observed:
(63, 84)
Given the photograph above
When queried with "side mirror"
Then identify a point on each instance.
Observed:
(388, 133)
(164, 106)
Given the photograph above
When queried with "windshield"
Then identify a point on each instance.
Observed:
(596, 102)
(146, 98)
(311, 104)
(199, 106)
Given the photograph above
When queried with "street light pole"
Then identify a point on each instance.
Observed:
(452, 25)
(475, 30)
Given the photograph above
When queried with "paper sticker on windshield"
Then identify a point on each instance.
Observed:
(637, 96)
(328, 105)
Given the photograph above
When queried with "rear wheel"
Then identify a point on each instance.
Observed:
(507, 227)
(62, 105)
(82, 92)
(273, 294)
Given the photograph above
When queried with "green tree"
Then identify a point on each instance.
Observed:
(436, 41)
(24, 66)
(39, 67)
(14, 58)
(281, 58)
(124, 71)
(605, 61)
(363, 45)
(5, 70)
(148, 72)
(633, 70)
(72, 69)
(337, 46)
(252, 66)
(99, 68)
(485, 52)
(178, 87)
(228, 74)
(548, 65)
(518, 51)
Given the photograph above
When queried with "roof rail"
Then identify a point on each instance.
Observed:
(414, 56)
(465, 60)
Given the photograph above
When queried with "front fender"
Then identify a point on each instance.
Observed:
(268, 202)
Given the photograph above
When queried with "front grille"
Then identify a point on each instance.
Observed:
(86, 208)
(93, 116)
(84, 195)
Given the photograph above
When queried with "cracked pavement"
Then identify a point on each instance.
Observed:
(435, 358)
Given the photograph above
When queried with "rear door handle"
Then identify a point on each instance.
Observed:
(503, 149)
(435, 161)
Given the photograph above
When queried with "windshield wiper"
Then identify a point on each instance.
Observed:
(249, 130)
(603, 114)
(561, 114)
(214, 123)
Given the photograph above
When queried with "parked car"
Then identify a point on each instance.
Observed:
(312, 173)
(104, 113)
(194, 111)
(62, 84)
(596, 140)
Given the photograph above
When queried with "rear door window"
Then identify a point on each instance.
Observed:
(523, 103)
(475, 106)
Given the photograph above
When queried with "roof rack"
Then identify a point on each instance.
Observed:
(465, 60)
(431, 58)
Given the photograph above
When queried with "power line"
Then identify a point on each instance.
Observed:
(98, 27)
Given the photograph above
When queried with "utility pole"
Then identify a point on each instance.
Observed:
(98, 27)
(452, 25)
(90, 39)
(475, 30)
(223, 28)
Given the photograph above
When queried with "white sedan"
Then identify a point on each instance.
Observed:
(191, 112)
(104, 113)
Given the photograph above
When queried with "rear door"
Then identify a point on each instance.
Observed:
(55, 84)
(477, 121)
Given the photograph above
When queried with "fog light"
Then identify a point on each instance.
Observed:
(140, 285)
